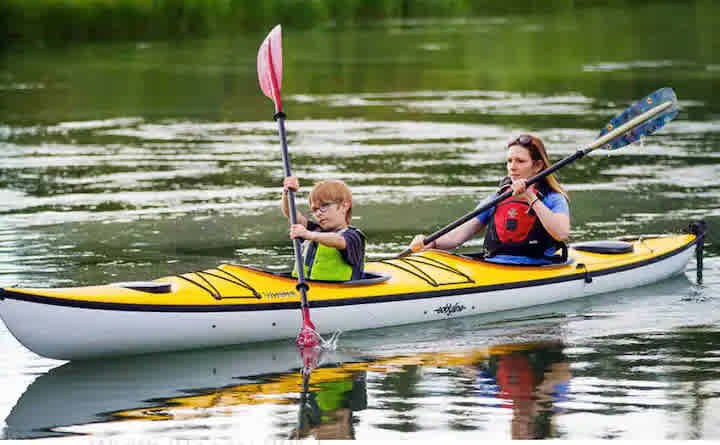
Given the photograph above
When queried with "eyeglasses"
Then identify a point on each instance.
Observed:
(322, 208)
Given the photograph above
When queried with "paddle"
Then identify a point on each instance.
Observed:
(269, 68)
(635, 123)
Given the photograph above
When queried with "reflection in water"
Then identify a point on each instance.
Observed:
(544, 389)
(529, 379)
(86, 393)
(327, 411)
(531, 382)
(199, 386)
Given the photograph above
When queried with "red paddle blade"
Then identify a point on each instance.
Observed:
(269, 66)
(308, 336)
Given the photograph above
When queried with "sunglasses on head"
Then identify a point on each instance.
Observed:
(527, 141)
(524, 140)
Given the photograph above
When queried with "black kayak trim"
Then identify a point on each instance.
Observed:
(582, 274)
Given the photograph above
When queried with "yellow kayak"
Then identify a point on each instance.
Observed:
(234, 304)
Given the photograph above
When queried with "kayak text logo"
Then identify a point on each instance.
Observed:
(450, 309)
(278, 295)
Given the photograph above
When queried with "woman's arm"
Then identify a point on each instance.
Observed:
(451, 239)
(556, 224)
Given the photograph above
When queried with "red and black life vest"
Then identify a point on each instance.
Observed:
(515, 229)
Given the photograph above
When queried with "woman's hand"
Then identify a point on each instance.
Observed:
(291, 183)
(299, 231)
(417, 244)
(521, 190)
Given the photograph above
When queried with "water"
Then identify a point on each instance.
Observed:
(129, 161)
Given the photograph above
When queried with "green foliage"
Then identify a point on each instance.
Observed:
(56, 21)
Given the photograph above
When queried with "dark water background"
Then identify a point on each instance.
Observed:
(124, 160)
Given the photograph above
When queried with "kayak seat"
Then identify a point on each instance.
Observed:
(367, 278)
(153, 287)
(606, 247)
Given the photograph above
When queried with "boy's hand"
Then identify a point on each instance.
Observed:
(299, 231)
(291, 183)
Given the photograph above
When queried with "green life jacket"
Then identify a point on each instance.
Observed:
(324, 263)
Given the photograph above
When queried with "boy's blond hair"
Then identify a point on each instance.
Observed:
(332, 190)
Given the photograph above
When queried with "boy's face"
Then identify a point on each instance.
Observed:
(330, 215)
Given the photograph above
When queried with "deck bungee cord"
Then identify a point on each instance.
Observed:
(410, 265)
(215, 293)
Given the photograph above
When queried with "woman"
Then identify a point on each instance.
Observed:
(526, 228)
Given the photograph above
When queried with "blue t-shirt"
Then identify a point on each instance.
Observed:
(554, 201)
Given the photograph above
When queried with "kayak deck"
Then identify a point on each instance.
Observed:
(428, 271)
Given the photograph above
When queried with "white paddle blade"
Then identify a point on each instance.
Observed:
(269, 66)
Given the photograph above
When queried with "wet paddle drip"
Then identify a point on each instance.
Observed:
(312, 347)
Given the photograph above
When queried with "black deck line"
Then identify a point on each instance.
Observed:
(9, 294)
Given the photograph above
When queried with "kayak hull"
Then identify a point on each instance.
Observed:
(80, 323)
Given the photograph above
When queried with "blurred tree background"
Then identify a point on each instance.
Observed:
(53, 22)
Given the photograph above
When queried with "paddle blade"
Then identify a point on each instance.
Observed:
(654, 100)
(269, 66)
(308, 336)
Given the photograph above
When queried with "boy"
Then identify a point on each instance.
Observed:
(333, 250)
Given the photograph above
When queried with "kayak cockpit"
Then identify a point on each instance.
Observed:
(605, 247)
(480, 256)
(153, 287)
(367, 279)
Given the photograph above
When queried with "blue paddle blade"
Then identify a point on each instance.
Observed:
(659, 97)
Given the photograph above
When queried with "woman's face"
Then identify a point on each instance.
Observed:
(520, 164)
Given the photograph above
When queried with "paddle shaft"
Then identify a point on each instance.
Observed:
(619, 131)
(297, 244)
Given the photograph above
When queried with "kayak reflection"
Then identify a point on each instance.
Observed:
(531, 379)
(80, 393)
